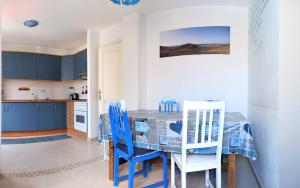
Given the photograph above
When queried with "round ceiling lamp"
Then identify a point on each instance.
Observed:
(125, 2)
(31, 23)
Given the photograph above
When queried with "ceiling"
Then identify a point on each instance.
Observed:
(63, 23)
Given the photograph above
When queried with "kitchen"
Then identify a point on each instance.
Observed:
(43, 93)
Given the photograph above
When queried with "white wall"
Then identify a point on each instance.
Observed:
(111, 34)
(198, 77)
(263, 89)
(289, 93)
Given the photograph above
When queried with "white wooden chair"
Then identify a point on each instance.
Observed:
(195, 162)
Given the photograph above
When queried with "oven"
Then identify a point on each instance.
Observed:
(80, 116)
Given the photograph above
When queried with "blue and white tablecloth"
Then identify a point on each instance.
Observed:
(162, 131)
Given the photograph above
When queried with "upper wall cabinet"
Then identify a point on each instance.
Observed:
(80, 64)
(19, 65)
(48, 67)
(67, 67)
(29, 66)
(12, 65)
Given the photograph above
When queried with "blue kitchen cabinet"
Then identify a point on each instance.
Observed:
(19, 117)
(67, 67)
(10, 112)
(29, 116)
(55, 67)
(29, 66)
(77, 66)
(80, 64)
(3, 120)
(43, 67)
(45, 116)
(12, 65)
(3, 64)
(83, 57)
(60, 115)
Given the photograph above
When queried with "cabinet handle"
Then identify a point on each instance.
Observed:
(7, 108)
(37, 107)
(4, 108)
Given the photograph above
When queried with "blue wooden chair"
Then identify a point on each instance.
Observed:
(123, 147)
(168, 105)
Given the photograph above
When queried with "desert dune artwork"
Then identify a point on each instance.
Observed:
(195, 41)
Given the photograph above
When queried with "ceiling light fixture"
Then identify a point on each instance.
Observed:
(31, 23)
(125, 2)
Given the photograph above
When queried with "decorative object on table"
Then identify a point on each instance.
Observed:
(123, 147)
(168, 105)
(195, 40)
(125, 2)
(24, 89)
(188, 162)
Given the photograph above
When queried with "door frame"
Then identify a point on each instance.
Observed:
(101, 92)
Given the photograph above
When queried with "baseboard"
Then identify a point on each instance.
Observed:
(255, 175)
(79, 134)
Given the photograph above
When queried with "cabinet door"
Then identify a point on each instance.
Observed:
(55, 67)
(77, 66)
(83, 58)
(29, 116)
(43, 67)
(29, 66)
(45, 116)
(13, 116)
(3, 121)
(60, 115)
(67, 67)
(13, 65)
(3, 63)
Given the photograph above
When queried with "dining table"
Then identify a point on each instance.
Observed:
(161, 131)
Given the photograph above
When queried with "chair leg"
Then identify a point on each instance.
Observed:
(218, 177)
(149, 166)
(207, 178)
(172, 171)
(183, 178)
(145, 170)
(165, 170)
(131, 175)
(116, 169)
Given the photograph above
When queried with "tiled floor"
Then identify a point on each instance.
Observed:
(74, 163)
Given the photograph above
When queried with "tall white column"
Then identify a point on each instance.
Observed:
(92, 71)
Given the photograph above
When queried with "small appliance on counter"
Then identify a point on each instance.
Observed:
(73, 95)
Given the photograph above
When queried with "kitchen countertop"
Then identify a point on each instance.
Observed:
(49, 100)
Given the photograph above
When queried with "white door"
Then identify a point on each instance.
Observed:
(109, 75)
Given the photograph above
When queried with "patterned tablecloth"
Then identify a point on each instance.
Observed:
(162, 131)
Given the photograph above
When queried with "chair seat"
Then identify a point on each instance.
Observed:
(137, 151)
(196, 162)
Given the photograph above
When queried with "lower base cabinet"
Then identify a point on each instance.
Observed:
(33, 116)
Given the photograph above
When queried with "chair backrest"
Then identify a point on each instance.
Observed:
(202, 114)
(168, 105)
(120, 128)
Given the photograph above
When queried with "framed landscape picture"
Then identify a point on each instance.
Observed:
(195, 41)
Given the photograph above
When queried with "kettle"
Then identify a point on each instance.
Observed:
(74, 96)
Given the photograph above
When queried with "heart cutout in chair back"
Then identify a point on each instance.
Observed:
(176, 127)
